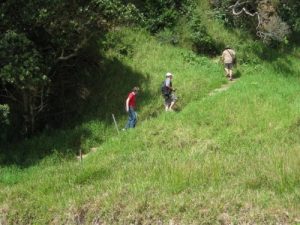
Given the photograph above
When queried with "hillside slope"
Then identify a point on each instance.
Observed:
(233, 156)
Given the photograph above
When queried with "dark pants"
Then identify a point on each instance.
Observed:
(132, 118)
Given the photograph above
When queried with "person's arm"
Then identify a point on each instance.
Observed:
(127, 104)
(170, 88)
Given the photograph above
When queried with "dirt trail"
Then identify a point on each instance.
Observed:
(224, 87)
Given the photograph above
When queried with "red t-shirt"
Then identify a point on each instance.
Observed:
(131, 97)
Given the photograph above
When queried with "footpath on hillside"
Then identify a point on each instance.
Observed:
(223, 88)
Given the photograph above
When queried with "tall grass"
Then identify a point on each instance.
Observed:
(235, 152)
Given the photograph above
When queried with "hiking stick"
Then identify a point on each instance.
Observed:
(80, 155)
(116, 125)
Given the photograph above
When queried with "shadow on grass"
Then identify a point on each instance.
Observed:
(237, 74)
(109, 90)
(107, 86)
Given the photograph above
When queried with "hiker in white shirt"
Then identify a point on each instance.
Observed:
(228, 58)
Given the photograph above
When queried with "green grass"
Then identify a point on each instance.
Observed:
(236, 152)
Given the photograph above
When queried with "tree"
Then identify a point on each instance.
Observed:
(23, 77)
(160, 14)
(39, 39)
(268, 24)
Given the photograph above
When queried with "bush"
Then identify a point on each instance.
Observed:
(202, 41)
(159, 15)
(167, 36)
(4, 121)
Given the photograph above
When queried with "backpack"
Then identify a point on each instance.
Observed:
(164, 90)
(234, 60)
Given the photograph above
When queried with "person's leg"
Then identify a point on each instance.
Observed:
(128, 121)
(230, 74)
(134, 118)
(167, 103)
(131, 119)
(171, 106)
(226, 71)
(226, 68)
(173, 101)
(230, 71)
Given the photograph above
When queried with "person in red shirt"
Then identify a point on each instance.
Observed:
(130, 108)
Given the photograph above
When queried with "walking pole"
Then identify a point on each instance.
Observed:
(116, 125)
(80, 155)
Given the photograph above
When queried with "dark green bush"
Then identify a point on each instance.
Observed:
(202, 42)
(160, 14)
(4, 122)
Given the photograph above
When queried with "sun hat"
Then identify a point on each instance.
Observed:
(169, 74)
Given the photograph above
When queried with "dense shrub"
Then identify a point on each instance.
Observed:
(290, 12)
(160, 14)
(4, 121)
(202, 41)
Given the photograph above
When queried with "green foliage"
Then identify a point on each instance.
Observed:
(234, 151)
(203, 42)
(289, 11)
(22, 65)
(45, 43)
(159, 14)
(168, 36)
(23, 76)
(4, 113)
(241, 148)
(268, 21)
(4, 122)
(116, 42)
(42, 46)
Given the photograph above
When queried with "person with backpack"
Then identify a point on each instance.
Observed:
(130, 108)
(229, 59)
(167, 92)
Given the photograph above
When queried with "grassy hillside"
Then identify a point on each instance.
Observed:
(232, 156)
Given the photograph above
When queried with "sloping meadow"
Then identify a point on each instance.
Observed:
(232, 156)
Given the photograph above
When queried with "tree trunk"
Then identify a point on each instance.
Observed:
(29, 112)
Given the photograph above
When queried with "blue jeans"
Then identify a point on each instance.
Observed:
(132, 118)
